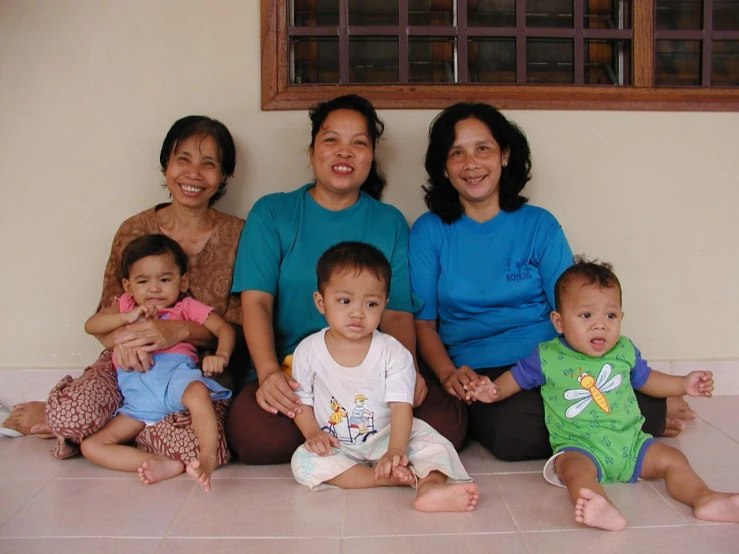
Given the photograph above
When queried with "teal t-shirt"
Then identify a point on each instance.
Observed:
(286, 233)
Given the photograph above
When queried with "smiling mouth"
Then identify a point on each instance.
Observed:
(474, 180)
(188, 188)
(342, 169)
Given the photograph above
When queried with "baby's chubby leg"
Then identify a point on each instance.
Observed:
(592, 507)
(197, 400)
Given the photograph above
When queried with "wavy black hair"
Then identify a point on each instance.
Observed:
(151, 245)
(588, 271)
(196, 125)
(441, 197)
(375, 182)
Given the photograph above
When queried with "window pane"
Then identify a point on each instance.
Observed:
(374, 12)
(607, 14)
(726, 15)
(549, 62)
(607, 62)
(491, 13)
(549, 13)
(679, 14)
(431, 60)
(492, 60)
(310, 13)
(314, 60)
(373, 60)
(725, 63)
(431, 12)
(677, 63)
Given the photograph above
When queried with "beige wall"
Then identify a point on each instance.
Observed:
(89, 87)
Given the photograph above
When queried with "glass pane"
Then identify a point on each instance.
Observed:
(607, 14)
(314, 60)
(679, 14)
(725, 63)
(373, 60)
(310, 13)
(726, 15)
(492, 60)
(431, 60)
(431, 13)
(491, 13)
(549, 13)
(607, 62)
(677, 63)
(374, 12)
(549, 62)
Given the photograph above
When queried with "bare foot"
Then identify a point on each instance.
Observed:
(678, 408)
(595, 510)
(201, 470)
(158, 469)
(403, 476)
(445, 497)
(718, 506)
(29, 418)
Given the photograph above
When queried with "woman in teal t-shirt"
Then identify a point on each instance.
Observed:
(284, 235)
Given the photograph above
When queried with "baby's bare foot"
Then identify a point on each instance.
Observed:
(718, 506)
(158, 469)
(201, 470)
(595, 510)
(403, 476)
(445, 497)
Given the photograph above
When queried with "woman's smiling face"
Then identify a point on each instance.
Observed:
(193, 172)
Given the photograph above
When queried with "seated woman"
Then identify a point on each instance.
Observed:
(485, 263)
(283, 238)
(197, 158)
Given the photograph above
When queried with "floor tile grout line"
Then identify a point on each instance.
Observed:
(48, 481)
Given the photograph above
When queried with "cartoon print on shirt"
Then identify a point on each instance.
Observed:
(349, 428)
(592, 390)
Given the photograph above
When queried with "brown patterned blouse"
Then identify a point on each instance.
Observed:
(210, 271)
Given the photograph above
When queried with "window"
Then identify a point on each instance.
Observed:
(557, 54)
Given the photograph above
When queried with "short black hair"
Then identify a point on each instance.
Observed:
(589, 271)
(441, 197)
(353, 256)
(375, 182)
(151, 245)
(194, 125)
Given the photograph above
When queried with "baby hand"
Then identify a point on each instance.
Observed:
(214, 364)
(321, 443)
(141, 313)
(483, 390)
(391, 459)
(699, 383)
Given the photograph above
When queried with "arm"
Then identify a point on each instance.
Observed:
(226, 343)
(661, 385)
(316, 441)
(400, 326)
(111, 318)
(487, 391)
(401, 422)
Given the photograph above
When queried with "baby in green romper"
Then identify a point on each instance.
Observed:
(587, 379)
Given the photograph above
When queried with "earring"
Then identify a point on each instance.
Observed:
(446, 175)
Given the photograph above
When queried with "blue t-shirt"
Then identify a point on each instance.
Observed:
(286, 233)
(489, 285)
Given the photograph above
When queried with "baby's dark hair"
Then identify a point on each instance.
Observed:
(151, 245)
(356, 256)
(589, 271)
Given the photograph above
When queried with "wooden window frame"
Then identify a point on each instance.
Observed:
(279, 94)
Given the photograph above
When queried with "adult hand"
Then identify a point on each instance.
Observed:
(420, 390)
(456, 382)
(154, 334)
(276, 394)
(136, 359)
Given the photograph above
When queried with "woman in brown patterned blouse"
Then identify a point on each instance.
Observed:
(197, 158)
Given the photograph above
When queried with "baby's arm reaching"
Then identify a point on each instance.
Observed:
(485, 390)
(109, 319)
(661, 385)
(401, 422)
(316, 441)
(226, 342)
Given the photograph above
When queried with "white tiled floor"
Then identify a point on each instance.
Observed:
(74, 507)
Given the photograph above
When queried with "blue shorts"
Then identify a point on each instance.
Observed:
(150, 396)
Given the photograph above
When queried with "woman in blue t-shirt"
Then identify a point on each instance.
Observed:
(484, 264)
(275, 273)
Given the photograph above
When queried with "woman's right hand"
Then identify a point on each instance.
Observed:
(455, 383)
(135, 359)
(276, 394)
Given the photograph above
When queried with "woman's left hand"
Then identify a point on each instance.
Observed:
(420, 391)
(154, 334)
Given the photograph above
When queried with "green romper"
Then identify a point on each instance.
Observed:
(590, 407)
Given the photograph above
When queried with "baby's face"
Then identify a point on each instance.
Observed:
(156, 281)
(590, 317)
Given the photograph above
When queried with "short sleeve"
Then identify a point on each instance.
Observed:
(554, 255)
(640, 372)
(193, 310)
(258, 258)
(401, 294)
(400, 373)
(527, 373)
(302, 374)
(424, 265)
(126, 303)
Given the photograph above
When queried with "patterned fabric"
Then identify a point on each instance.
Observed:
(76, 408)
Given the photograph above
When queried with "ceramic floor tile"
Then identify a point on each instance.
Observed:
(260, 508)
(473, 459)
(79, 468)
(509, 543)
(250, 546)
(720, 413)
(706, 447)
(395, 515)
(99, 508)
(78, 546)
(28, 458)
(15, 493)
(236, 470)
